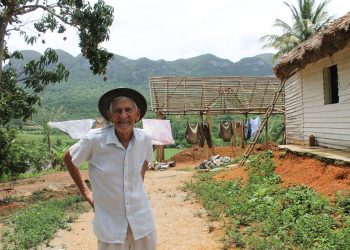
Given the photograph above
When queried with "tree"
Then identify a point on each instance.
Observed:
(20, 87)
(308, 19)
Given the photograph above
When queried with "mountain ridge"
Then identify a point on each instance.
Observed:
(79, 95)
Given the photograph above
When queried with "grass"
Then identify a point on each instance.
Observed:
(29, 227)
(36, 174)
(38, 136)
(263, 215)
(170, 152)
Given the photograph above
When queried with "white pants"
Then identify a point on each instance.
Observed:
(149, 242)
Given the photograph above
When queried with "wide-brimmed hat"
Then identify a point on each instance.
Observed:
(107, 98)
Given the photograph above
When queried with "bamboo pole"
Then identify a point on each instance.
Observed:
(210, 126)
(233, 138)
(267, 134)
(160, 148)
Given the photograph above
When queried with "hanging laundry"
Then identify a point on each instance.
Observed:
(254, 125)
(201, 136)
(206, 133)
(192, 133)
(247, 130)
(239, 128)
(75, 128)
(158, 130)
(225, 130)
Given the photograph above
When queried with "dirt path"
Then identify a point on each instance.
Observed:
(181, 223)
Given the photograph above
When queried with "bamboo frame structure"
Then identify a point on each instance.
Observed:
(219, 95)
(214, 95)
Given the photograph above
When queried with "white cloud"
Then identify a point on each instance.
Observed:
(168, 29)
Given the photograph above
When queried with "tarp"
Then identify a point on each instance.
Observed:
(75, 128)
(159, 131)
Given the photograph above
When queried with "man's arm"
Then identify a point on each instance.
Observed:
(144, 169)
(76, 176)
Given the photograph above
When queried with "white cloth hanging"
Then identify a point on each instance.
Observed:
(159, 131)
(254, 126)
(75, 128)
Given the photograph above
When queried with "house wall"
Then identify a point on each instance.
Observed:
(330, 123)
(294, 110)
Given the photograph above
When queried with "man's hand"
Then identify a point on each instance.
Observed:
(88, 197)
(144, 169)
(76, 176)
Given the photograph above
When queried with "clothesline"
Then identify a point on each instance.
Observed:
(198, 133)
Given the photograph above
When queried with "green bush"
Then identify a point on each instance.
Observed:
(18, 156)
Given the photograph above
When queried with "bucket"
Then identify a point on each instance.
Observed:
(312, 141)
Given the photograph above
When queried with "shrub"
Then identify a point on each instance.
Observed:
(18, 156)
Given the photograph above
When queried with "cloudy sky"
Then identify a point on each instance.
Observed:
(170, 30)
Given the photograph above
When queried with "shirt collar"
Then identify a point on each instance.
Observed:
(113, 139)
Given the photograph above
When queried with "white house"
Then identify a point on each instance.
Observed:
(317, 87)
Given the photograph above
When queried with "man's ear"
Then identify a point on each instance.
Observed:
(138, 115)
(109, 116)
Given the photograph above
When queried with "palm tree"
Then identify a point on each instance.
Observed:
(307, 20)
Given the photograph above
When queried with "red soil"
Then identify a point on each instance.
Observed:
(324, 178)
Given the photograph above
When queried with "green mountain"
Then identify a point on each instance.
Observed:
(79, 95)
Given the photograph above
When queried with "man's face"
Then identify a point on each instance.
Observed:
(124, 115)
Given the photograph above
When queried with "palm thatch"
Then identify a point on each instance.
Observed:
(323, 44)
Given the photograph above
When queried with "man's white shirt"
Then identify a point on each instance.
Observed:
(117, 186)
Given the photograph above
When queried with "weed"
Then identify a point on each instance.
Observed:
(267, 216)
(29, 227)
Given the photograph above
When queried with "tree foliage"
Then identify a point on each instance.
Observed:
(308, 19)
(22, 84)
(20, 87)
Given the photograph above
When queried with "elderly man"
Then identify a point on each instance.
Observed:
(118, 157)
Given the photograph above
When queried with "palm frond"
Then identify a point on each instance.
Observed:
(307, 20)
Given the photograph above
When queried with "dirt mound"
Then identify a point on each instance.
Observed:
(324, 178)
(327, 179)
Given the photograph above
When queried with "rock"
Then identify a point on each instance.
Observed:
(172, 164)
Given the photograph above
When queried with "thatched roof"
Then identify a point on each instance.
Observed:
(325, 43)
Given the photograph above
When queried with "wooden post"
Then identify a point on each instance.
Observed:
(234, 131)
(267, 134)
(233, 138)
(241, 132)
(160, 148)
(285, 130)
(210, 126)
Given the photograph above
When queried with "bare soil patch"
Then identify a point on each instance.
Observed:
(325, 178)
